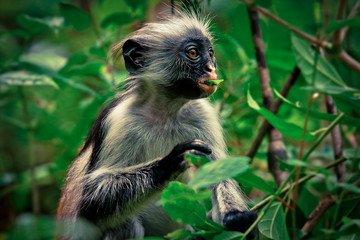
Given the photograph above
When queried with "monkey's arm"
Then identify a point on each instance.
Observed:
(230, 208)
(120, 193)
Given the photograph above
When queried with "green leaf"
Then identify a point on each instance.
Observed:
(119, 19)
(347, 220)
(180, 234)
(296, 162)
(196, 160)
(338, 24)
(45, 56)
(351, 153)
(280, 59)
(217, 171)
(37, 25)
(225, 235)
(134, 4)
(287, 129)
(320, 115)
(76, 59)
(75, 16)
(307, 201)
(98, 52)
(250, 179)
(24, 78)
(325, 73)
(273, 224)
(87, 69)
(332, 90)
(61, 79)
(205, 234)
(347, 104)
(213, 82)
(178, 201)
(350, 187)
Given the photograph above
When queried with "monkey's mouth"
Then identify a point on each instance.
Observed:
(206, 87)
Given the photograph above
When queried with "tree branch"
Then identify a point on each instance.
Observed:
(295, 30)
(352, 14)
(336, 141)
(344, 57)
(265, 126)
(337, 34)
(316, 215)
(276, 148)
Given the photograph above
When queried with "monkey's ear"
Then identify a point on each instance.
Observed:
(133, 54)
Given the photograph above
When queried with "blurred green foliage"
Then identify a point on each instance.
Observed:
(55, 77)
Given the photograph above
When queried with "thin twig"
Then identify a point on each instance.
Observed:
(337, 34)
(30, 134)
(352, 14)
(301, 180)
(268, 205)
(323, 135)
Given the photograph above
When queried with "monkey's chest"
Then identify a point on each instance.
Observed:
(165, 137)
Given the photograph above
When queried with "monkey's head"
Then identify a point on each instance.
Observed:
(174, 56)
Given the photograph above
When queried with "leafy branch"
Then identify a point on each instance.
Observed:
(340, 54)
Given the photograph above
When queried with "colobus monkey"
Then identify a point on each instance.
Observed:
(138, 142)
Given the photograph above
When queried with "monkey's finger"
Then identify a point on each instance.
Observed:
(197, 153)
(195, 144)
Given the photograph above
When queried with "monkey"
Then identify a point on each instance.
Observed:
(137, 144)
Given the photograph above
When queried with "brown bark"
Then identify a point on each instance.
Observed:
(336, 141)
(276, 148)
(316, 215)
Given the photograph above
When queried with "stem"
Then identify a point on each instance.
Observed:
(301, 180)
(30, 135)
(337, 34)
(337, 210)
(268, 205)
(302, 143)
(323, 135)
(352, 14)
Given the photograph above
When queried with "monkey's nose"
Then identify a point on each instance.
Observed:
(211, 69)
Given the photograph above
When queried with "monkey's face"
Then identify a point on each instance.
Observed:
(193, 67)
(180, 68)
(199, 64)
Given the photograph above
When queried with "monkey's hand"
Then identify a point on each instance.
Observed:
(239, 221)
(174, 163)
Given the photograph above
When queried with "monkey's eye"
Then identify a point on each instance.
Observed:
(193, 53)
(211, 52)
